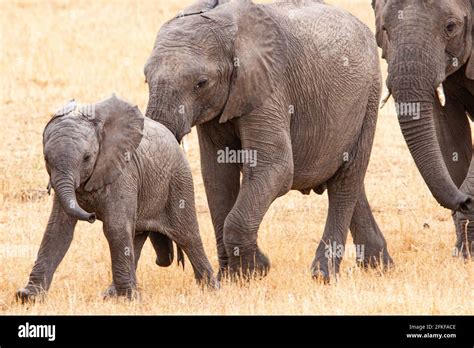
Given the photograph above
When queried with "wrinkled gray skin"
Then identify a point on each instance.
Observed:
(299, 84)
(427, 43)
(130, 173)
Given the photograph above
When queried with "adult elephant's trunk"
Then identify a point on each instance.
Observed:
(413, 84)
(64, 188)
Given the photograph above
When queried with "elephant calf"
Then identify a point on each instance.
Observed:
(131, 173)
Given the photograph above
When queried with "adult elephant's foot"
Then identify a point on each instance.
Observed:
(248, 265)
(464, 235)
(29, 294)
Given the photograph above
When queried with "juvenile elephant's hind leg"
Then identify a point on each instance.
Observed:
(344, 190)
(194, 250)
(329, 254)
(371, 247)
(164, 249)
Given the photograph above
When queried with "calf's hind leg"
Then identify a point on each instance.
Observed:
(163, 247)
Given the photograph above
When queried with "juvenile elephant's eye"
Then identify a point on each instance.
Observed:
(451, 27)
(200, 83)
(87, 158)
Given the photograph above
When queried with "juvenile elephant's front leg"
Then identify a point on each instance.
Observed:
(56, 241)
(268, 176)
(138, 242)
(119, 231)
(221, 181)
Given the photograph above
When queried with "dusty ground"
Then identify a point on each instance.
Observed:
(52, 51)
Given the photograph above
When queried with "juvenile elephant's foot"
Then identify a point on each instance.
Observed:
(325, 263)
(250, 265)
(320, 276)
(320, 272)
(223, 272)
(209, 283)
(29, 294)
(223, 268)
(375, 258)
(112, 292)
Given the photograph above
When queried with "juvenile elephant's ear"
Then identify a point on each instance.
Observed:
(259, 61)
(200, 6)
(380, 34)
(470, 63)
(120, 130)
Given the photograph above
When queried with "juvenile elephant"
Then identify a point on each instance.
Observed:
(107, 161)
(429, 49)
(293, 86)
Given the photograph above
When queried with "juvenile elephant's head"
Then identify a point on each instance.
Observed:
(424, 42)
(215, 59)
(89, 147)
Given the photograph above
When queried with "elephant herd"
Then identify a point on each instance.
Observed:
(284, 96)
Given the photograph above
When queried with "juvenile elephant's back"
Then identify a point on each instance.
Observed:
(159, 142)
(326, 26)
(156, 131)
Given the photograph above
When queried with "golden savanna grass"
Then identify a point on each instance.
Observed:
(52, 51)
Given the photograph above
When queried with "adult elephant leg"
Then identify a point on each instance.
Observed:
(454, 135)
(369, 240)
(221, 180)
(267, 177)
(56, 241)
(465, 222)
(138, 242)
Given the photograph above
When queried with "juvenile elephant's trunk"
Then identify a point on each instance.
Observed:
(65, 190)
(413, 84)
(163, 107)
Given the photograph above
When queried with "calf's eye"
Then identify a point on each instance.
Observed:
(200, 83)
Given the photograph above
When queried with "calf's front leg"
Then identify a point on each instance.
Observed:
(119, 229)
(56, 241)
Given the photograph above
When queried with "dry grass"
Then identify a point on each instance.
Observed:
(52, 51)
